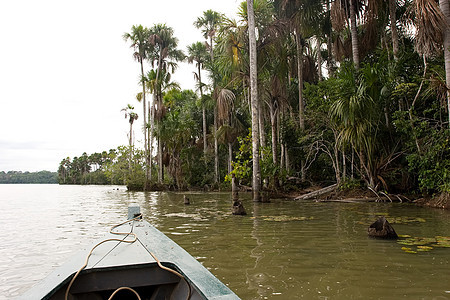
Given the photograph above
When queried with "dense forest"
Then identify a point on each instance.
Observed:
(28, 177)
(291, 94)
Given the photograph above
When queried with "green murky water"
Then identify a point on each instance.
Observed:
(280, 250)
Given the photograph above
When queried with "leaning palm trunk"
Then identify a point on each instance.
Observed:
(445, 8)
(254, 102)
(354, 35)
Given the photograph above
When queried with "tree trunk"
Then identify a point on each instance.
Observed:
(254, 102)
(216, 148)
(230, 157)
(319, 58)
(150, 133)
(159, 103)
(330, 61)
(262, 133)
(393, 21)
(301, 105)
(131, 144)
(216, 143)
(146, 153)
(445, 8)
(273, 120)
(203, 110)
(354, 34)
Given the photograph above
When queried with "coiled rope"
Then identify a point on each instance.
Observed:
(126, 234)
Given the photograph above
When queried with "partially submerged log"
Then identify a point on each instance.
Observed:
(314, 194)
(382, 229)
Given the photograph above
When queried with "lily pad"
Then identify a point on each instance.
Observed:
(443, 242)
(404, 236)
(408, 250)
(424, 244)
(405, 220)
(424, 248)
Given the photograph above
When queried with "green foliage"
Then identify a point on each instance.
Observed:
(348, 184)
(242, 165)
(28, 177)
(104, 168)
(432, 164)
(372, 122)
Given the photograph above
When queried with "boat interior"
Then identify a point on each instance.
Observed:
(149, 281)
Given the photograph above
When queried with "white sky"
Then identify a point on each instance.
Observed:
(66, 72)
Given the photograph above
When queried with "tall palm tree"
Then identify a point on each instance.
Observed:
(256, 182)
(209, 23)
(132, 116)
(354, 34)
(197, 52)
(433, 33)
(341, 12)
(304, 18)
(164, 55)
(139, 42)
(445, 8)
(393, 25)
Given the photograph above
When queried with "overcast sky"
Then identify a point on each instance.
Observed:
(66, 72)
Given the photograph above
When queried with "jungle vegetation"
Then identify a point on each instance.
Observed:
(18, 177)
(344, 91)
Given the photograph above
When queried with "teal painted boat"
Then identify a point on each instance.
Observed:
(133, 261)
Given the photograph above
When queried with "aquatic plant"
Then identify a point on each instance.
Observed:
(423, 244)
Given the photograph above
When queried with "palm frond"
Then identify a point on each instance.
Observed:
(430, 27)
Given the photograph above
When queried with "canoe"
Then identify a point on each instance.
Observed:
(133, 261)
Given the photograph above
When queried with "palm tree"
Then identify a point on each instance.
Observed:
(165, 55)
(304, 16)
(254, 102)
(393, 25)
(132, 116)
(445, 8)
(209, 23)
(433, 33)
(197, 52)
(227, 131)
(354, 34)
(139, 42)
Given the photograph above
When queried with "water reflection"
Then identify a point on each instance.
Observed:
(280, 250)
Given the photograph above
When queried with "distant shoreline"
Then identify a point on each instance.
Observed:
(19, 177)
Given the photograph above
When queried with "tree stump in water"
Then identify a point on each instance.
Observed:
(237, 208)
(382, 229)
(186, 200)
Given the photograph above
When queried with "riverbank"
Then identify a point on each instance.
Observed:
(365, 195)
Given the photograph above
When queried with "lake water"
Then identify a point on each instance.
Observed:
(280, 250)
